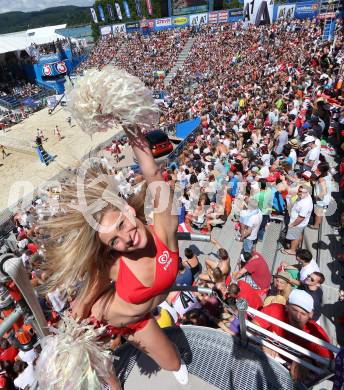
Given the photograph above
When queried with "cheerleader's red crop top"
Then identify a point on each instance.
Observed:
(131, 290)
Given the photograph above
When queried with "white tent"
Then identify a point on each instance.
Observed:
(23, 39)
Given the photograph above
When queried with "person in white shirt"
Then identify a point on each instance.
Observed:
(299, 218)
(250, 222)
(306, 265)
(294, 143)
(311, 160)
(26, 377)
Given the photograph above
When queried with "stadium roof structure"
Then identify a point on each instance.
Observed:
(23, 39)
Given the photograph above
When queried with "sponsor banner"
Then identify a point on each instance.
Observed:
(101, 13)
(54, 69)
(110, 11)
(180, 21)
(222, 16)
(132, 26)
(118, 28)
(126, 9)
(105, 30)
(149, 7)
(284, 12)
(234, 15)
(259, 12)
(198, 19)
(61, 67)
(147, 23)
(138, 8)
(161, 24)
(94, 15)
(118, 11)
(212, 17)
(47, 70)
(306, 10)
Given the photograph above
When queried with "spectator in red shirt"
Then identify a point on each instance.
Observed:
(33, 248)
(298, 313)
(8, 352)
(244, 290)
(254, 271)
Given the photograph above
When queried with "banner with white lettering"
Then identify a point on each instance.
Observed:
(118, 11)
(118, 28)
(105, 30)
(258, 12)
(162, 24)
(212, 17)
(94, 15)
(198, 19)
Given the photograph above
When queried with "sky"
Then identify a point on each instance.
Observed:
(34, 5)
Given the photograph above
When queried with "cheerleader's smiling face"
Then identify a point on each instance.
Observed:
(121, 234)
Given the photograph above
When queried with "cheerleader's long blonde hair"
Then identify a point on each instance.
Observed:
(73, 250)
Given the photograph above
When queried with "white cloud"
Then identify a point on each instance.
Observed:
(34, 5)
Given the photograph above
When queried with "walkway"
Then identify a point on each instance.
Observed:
(180, 61)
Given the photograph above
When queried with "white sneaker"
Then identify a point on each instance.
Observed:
(182, 374)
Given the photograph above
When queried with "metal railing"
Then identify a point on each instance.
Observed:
(320, 366)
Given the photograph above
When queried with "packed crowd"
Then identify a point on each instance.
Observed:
(268, 98)
(148, 57)
(20, 90)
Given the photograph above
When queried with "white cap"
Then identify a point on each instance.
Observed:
(302, 299)
(308, 139)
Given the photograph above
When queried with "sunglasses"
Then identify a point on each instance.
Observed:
(311, 279)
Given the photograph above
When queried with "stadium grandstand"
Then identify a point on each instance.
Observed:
(253, 104)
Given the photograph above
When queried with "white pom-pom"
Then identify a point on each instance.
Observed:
(72, 358)
(101, 99)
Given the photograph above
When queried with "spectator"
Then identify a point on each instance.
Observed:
(192, 262)
(184, 277)
(264, 199)
(243, 290)
(297, 312)
(254, 271)
(322, 193)
(280, 290)
(8, 352)
(312, 285)
(250, 220)
(299, 217)
(306, 265)
(223, 262)
(311, 160)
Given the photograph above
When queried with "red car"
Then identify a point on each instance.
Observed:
(159, 143)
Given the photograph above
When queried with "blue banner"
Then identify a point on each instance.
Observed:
(110, 11)
(132, 27)
(101, 13)
(306, 10)
(138, 8)
(126, 9)
(235, 15)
